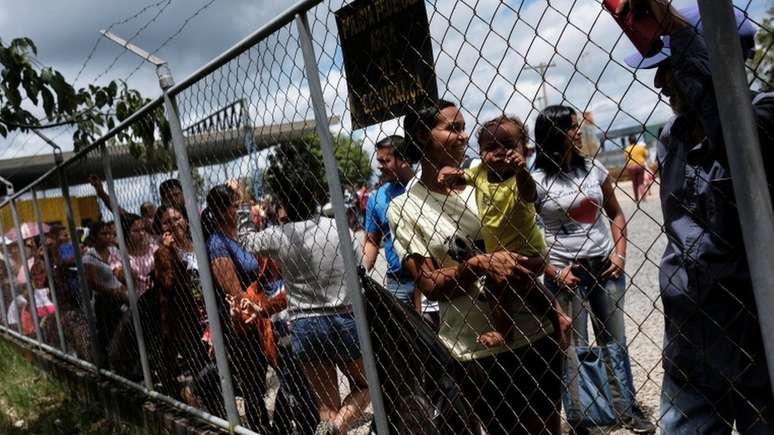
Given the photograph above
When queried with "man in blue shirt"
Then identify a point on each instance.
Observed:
(396, 173)
(715, 367)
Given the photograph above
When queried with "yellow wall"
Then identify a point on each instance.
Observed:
(52, 210)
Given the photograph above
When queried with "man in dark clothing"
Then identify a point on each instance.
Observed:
(715, 367)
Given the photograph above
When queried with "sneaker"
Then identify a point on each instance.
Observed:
(638, 422)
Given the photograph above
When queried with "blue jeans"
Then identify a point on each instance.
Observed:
(688, 409)
(605, 298)
(327, 338)
(403, 289)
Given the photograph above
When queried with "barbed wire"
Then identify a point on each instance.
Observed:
(131, 38)
(116, 23)
(171, 37)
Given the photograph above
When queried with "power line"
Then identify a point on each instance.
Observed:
(12, 141)
(116, 23)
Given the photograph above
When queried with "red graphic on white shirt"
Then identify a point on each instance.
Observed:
(585, 212)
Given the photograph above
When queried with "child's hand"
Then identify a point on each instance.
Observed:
(491, 339)
(515, 159)
(451, 177)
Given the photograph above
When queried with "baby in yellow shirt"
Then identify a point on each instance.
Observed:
(505, 194)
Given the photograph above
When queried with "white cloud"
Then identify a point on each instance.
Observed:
(483, 59)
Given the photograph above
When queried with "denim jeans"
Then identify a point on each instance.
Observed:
(403, 289)
(689, 409)
(605, 298)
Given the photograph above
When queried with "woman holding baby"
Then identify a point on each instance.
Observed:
(513, 386)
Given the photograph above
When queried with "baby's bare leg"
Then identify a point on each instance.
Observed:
(503, 323)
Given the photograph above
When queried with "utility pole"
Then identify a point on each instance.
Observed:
(541, 69)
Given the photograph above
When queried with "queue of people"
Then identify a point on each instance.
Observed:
(506, 263)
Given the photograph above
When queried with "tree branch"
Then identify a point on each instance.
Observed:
(69, 121)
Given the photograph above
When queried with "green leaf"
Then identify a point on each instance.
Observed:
(14, 96)
(121, 111)
(47, 75)
(24, 44)
(31, 85)
(112, 89)
(48, 101)
(100, 98)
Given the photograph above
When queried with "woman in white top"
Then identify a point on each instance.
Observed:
(306, 249)
(513, 388)
(586, 265)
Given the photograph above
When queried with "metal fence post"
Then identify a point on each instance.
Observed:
(125, 262)
(11, 278)
(3, 318)
(202, 259)
(345, 242)
(32, 303)
(744, 157)
(88, 310)
(49, 271)
(3, 314)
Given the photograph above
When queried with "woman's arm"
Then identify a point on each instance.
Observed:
(254, 241)
(371, 249)
(439, 283)
(92, 278)
(226, 276)
(449, 282)
(120, 275)
(617, 229)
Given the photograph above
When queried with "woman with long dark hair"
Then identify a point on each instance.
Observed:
(174, 310)
(235, 270)
(512, 388)
(141, 247)
(586, 265)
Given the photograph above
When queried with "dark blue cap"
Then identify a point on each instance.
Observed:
(744, 27)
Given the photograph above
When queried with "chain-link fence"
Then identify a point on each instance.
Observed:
(404, 215)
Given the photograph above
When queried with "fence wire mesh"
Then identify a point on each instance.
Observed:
(491, 228)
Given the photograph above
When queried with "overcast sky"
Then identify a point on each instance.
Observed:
(468, 46)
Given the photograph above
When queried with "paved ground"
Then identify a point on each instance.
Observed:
(644, 313)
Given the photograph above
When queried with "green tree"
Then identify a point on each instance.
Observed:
(298, 165)
(89, 110)
(762, 63)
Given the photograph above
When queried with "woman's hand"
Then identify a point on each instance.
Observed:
(566, 278)
(252, 311)
(234, 308)
(501, 266)
(167, 239)
(241, 190)
(616, 268)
